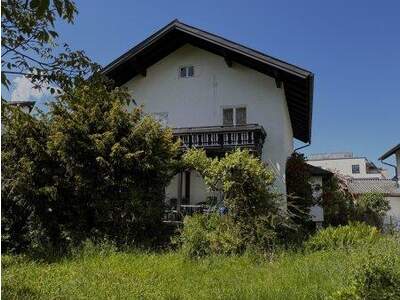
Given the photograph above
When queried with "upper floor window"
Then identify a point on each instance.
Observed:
(186, 71)
(355, 169)
(234, 116)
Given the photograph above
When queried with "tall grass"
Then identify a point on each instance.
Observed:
(138, 275)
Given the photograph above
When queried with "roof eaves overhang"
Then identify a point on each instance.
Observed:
(390, 152)
(298, 82)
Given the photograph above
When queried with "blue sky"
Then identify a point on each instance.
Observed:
(353, 47)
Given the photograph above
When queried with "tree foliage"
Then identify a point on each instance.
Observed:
(88, 168)
(337, 202)
(299, 190)
(371, 208)
(30, 48)
(254, 211)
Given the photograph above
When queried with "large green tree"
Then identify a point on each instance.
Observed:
(89, 168)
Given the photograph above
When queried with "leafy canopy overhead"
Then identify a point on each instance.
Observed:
(30, 48)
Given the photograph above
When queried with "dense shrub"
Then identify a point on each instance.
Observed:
(254, 214)
(342, 237)
(299, 190)
(88, 168)
(378, 278)
(210, 234)
(371, 208)
(337, 202)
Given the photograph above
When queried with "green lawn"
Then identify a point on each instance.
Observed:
(170, 276)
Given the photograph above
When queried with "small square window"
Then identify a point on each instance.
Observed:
(187, 71)
(228, 116)
(355, 169)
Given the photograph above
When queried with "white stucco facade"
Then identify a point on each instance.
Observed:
(198, 101)
(393, 215)
(344, 166)
(316, 211)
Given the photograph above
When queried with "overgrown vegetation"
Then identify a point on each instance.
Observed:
(343, 237)
(337, 203)
(371, 208)
(254, 215)
(88, 168)
(377, 278)
(300, 198)
(99, 273)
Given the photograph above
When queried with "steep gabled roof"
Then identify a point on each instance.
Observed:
(298, 83)
(390, 152)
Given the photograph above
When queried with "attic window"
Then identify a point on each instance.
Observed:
(186, 71)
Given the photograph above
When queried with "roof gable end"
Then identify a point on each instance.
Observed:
(297, 82)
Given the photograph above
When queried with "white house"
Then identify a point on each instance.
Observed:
(217, 95)
(347, 164)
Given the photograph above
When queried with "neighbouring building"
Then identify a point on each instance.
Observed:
(389, 188)
(395, 151)
(217, 95)
(347, 164)
(393, 194)
(319, 177)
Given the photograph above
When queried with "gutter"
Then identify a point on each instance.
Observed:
(302, 147)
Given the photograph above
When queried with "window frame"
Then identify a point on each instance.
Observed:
(187, 72)
(234, 108)
(355, 169)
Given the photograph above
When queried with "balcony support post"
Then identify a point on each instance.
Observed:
(179, 200)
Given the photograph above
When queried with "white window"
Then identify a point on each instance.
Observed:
(161, 117)
(234, 116)
(186, 71)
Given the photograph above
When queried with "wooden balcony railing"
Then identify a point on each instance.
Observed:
(222, 138)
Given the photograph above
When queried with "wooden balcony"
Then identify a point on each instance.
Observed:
(222, 138)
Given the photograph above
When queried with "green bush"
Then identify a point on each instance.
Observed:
(254, 213)
(300, 196)
(203, 235)
(89, 168)
(342, 237)
(376, 279)
(337, 202)
(371, 208)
